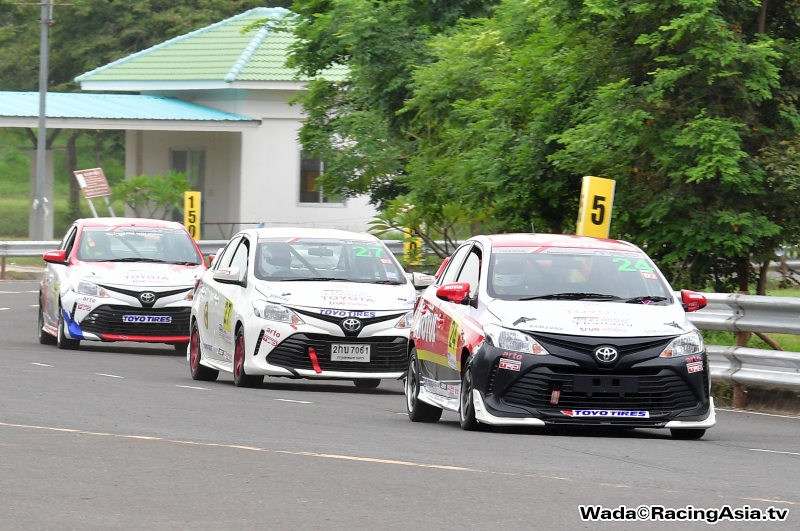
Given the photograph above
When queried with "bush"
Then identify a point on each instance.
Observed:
(149, 197)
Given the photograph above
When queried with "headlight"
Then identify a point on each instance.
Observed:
(87, 288)
(506, 339)
(685, 345)
(276, 312)
(405, 321)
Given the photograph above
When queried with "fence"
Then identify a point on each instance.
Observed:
(745, 315)
(27, 248)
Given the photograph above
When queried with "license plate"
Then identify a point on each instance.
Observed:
(358, 353)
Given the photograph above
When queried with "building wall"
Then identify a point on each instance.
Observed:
(148, 152)
(270, 163)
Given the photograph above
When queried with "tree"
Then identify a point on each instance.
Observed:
(356, 125)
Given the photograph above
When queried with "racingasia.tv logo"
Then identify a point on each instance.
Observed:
(606, 413)
(659, 513)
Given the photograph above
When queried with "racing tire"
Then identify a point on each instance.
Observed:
(199, 371)
(371, 383)
(466, 410)
(686, 434)
(180, 348)
(418, 411)
(44, 337)
(240, 377)
(62, 341)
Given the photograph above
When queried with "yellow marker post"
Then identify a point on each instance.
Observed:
(191, 213)
(412, 250)
(597, 200)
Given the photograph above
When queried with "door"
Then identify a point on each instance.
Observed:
(454, 315)
(54, 276)
(212, 331)
(433, 325)
(231, 296)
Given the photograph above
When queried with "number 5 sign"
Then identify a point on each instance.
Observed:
(191, 213)
(594, 214)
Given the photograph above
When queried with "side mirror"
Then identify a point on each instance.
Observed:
(422, 280)
(55, 257)
(457, 292)
(441, 267)
(692, 301)
(229, 275)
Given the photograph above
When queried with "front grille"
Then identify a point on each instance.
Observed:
(387, 354)
(108, 320)
(586, 345)
(665, 391)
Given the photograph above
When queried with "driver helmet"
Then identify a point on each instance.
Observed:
(507, 274)
(276, 259)
(98, 244)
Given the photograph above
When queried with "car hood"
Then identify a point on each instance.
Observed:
(132, 275)
(339, 295)
(585, 318)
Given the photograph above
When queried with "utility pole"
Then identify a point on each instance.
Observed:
(40, 203)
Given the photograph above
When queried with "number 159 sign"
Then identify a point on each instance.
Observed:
(594, 214)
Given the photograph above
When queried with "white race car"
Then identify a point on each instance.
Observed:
(302, 303)
(119, 279)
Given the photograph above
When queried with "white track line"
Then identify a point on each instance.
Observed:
(758, 413)
(11, 292)
(109, 375)
(190, 387)
(41, 364)
(34, 305)
(3, 309)
(773, 451)
(295, 401)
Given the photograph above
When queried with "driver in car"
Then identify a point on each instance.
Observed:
(276, 260)
(97, 246)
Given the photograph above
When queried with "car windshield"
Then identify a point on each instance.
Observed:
(517, 273)
(137, 244)
(289, 259)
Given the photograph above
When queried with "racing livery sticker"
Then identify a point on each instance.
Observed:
(226, 315)
(146, 319)
(510, 365)
(452, 345)
(605, 413)
(205, 316)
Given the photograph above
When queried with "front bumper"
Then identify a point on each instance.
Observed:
(119, 322)
(568, 387)
(308, 355)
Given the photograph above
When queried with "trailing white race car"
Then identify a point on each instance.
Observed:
(118, 279)
(302, 303)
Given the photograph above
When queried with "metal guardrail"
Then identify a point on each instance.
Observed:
(30, 248)
(757, 314)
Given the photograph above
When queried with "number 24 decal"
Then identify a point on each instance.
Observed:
(641, 265)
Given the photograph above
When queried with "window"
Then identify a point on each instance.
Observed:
(454, 266)
(310, 192)
(471, 272)
(240, 258)
(226, 252)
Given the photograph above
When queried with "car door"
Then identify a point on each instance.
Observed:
(454, 316)
(214, 305)
(434, 359)
(54, 276)
(231, 296)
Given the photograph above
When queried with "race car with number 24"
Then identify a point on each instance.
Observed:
(302, 303)
(538, 330)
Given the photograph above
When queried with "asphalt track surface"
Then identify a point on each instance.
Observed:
(117, 436)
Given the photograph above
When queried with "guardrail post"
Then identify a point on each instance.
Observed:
(740, 390)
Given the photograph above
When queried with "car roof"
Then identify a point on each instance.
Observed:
(129, 222)
(306, 232)
(558, 240)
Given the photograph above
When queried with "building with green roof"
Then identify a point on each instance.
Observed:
(213, 103)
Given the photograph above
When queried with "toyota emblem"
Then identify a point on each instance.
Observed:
(147, 297)
(606, 354)
(351, 325)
